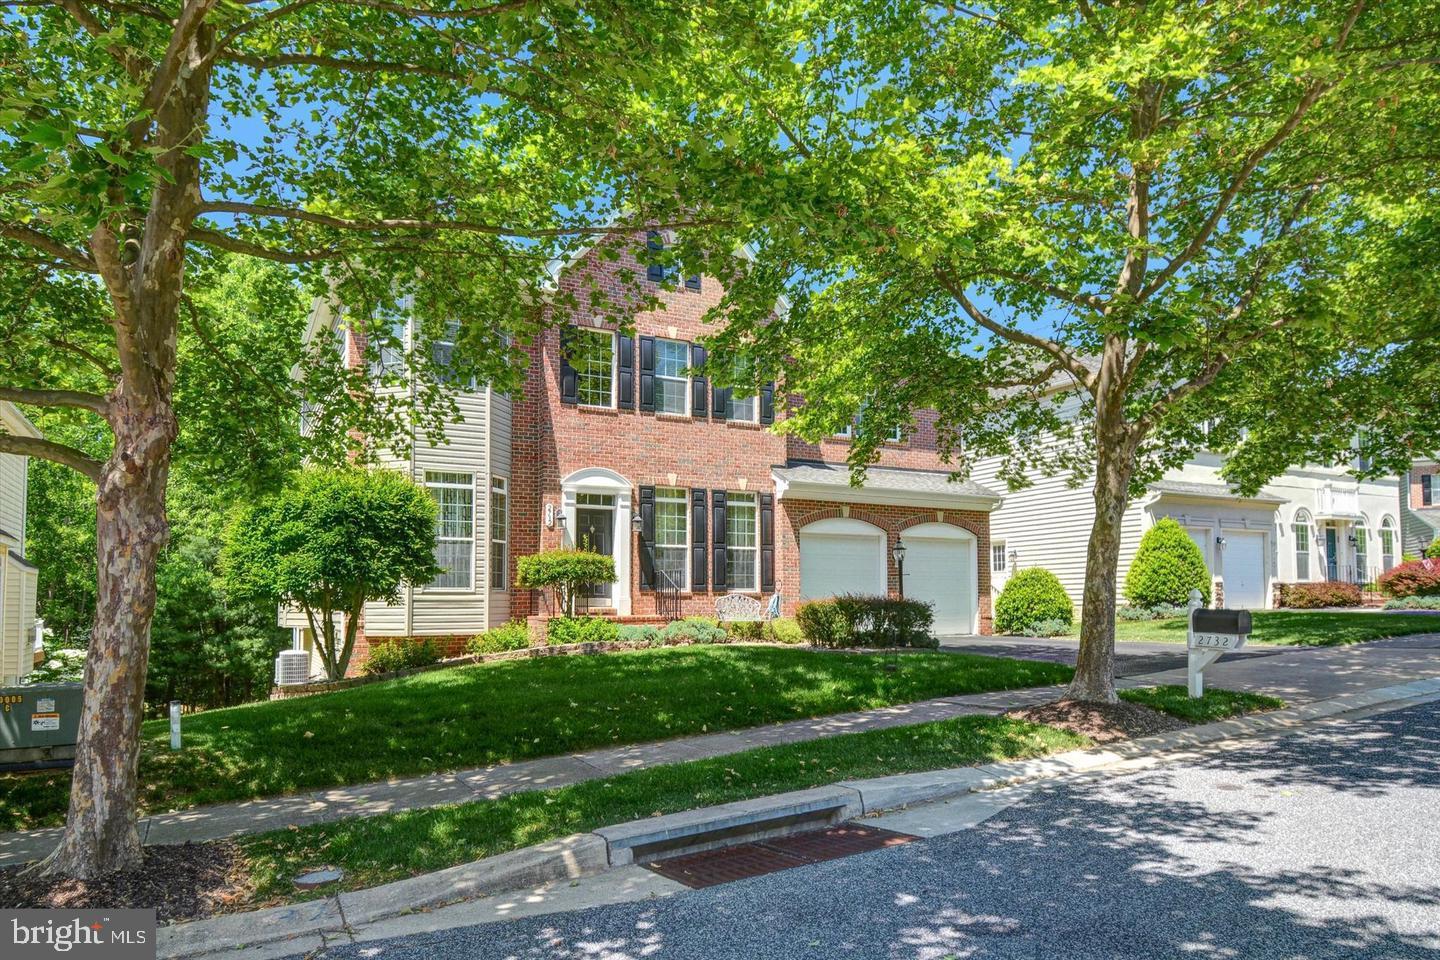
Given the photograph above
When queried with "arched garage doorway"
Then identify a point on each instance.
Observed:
(840, 555)
(941, 569)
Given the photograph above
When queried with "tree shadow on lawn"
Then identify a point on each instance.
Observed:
(1170, 863)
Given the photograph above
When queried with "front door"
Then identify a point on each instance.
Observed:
(1332, 552)
(595, 531)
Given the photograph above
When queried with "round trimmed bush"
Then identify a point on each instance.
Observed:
(1166, 568)
(1030, 597)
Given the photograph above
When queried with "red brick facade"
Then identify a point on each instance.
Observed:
(1417, 486)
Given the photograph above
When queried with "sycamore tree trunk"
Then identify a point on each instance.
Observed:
(141, 261)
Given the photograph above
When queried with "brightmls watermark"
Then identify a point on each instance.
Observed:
(82, 934)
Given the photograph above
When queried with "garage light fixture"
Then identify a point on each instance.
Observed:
(1219, 541)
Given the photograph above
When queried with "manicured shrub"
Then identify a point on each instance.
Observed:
(514, 635)
(1310, 596)
(564, 573)
(784, 630)
(857, 621)
(1163, 611)
(395, 655)
(640, 633)
(561, 630)
(1432, 552)
(1167, 566)
(749, 630)
(1048, 628)
(1419, 578)
(1413, 603)
(1031, 596)
(692, 630)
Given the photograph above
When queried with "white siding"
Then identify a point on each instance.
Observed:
(12, 496)
(501, 411)
(17, 618)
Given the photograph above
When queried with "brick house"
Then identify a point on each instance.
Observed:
(1420, 506)
(612, 446)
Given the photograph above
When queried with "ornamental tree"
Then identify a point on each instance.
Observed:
(564, 573)
(1095, 238)
(329, 543)
(429, 155)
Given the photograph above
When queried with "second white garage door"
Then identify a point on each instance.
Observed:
(940, 569)
(841, 556)
(1245, 581)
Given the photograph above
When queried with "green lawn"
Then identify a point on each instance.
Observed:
(1214, 705)
(514, 710)
(375, 850)
(1303, 628)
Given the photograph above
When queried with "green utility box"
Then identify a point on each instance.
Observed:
(39, 722)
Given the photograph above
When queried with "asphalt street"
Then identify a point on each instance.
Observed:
(1322, 844)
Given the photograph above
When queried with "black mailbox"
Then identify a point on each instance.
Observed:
(1235, 622)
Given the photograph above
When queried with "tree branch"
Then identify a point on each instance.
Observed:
(277, 60)
(134, 66)
(192, 16)
(223, 241)
(1061, 355)
(52, 451)
(46, 244)
(77, 399)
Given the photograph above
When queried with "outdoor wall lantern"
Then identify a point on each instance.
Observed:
(1219, 541)
(636, 523)
(1353, 539)
(898, 552)
(1014, 558)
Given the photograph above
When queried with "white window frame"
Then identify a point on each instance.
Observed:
(998, 561)
(1300, 526)
(438, 484)
(1361, 532)
(614, 373)
(684, 381)
(753, 500)
(896, 434)
(672, 495)
(754, 404)
(1387, 544)
(499, 487)
(385, 363)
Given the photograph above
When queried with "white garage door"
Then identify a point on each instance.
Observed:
(1244, 570)
(940, 569)
(841, 556)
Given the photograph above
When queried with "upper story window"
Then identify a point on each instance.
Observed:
(849, 431)
(442, 351)
(1427, 490)
(454, 529)
(742, 542)
(499, 531)
(594, 364)
(672, 538)
(392, 328)
(658, 272)
(744, 409)
(672, 386)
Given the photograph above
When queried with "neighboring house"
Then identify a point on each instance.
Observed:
(17, 575)
(683, 483)
(1311, 523)
(1420, 506)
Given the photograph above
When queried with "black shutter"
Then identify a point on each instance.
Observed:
(698, 387)
(767, 403)
(647, 538)
(654, 244)
(721, 405)
(1427, 489)
(569, 383)
(697, 540)
(717, 552)
(625, 364)
(692, 283)
(767, 542)
(647, 374)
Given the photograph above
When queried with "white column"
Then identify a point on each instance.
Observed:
(622, 539)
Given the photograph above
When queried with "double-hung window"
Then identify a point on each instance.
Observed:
(1362, 553)
(997, 557)
(672, 538)
(454, 529)
(499, 531)
(1302, 549)
(1387, 545)
(594, 364)
(742, 542)
(392, 326)
(672, 386)
(744, 409)
(1427, 490)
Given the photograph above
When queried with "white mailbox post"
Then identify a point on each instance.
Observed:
(1211, 634)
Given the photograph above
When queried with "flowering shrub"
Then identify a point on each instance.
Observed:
(1308, 596)
(1419, 578)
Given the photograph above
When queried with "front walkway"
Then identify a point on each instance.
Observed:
(1297, 674)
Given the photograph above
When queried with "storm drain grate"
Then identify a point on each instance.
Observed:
(727, 864)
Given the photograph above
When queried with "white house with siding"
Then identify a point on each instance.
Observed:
(469, 476)
(1311, 523)
(17, 575)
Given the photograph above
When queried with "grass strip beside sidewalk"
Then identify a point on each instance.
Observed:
(1215, 705)
(1295, 628)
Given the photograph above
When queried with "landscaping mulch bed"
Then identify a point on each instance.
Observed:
(182, 882)
(1101, 722)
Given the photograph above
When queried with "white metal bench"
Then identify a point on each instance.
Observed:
(738, 608)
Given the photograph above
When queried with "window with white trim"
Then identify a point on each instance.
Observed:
(742, 542)
(672, 538)
(672, 386)
(594, 364)
(1387, 544)
(849, 431)
(392, 326)
(744, 409)
(499, 532)
(997, 556)
(1362, 552)
(1302, 546)
(454, 493)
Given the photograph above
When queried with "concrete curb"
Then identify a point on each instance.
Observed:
(297, 928)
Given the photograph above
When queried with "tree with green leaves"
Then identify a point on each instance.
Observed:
(397, 155)
(330, 542)
(1094, 238)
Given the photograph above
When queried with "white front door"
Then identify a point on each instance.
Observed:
(1245, 580)
(940, 569)
(840, 556)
